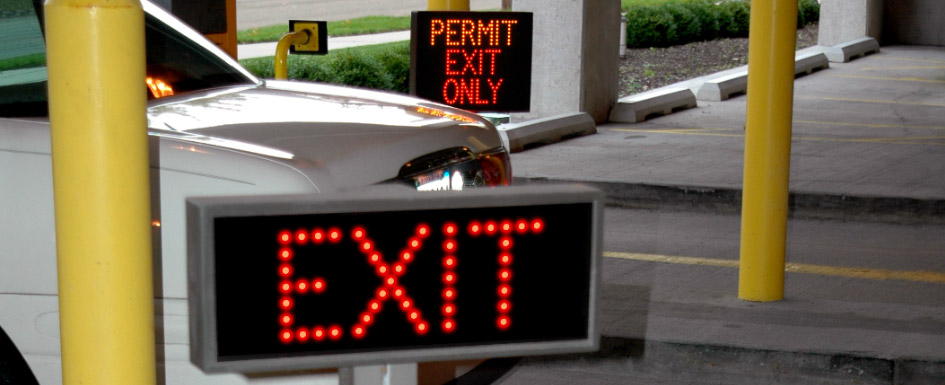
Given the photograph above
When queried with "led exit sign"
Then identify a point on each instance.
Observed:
(303, 282)
(478, 61)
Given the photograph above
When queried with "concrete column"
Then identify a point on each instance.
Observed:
(574, 57)
(845, 20)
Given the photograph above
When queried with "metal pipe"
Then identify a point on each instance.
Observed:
(282, 51)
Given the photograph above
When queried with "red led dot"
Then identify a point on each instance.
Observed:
(414, 243)
(285, 303)
(318, 285)
(382, 269)
(506, 226)
(449, 293)
(319, 333)
(406, 304)
(504, 306)
(423, 230)
(367, 318)
(491, 227)
(382, 293)
(285, 237)
(302, 334)
(286, 336)
(406, 256)
(505, 274)
(449, 309)
(398, 268)
(302, 286)
(318, 235)
(285, 254)
(285, 270)
(475, 228)
(374, 258)
(358, 331)
(504, 322)
(449, 325)
(285, 287)
(521, 226)
(505, 290)
(449, 278)
(538, 225)
(449, 229)
(358, 233)
(301, 237)
(449, 261)
(334, 333)
(334, 235)
(505, 243)
(421, 328)
(449, 246)
(398, 292)
(286, 319)
(374, 306)
(390, 281)
(505, 259)
(414, 315)
(367, 246)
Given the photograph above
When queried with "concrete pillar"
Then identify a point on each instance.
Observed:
(574, 57)
(845, 20)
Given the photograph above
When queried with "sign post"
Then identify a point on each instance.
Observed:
(478, 61)
(307, 282)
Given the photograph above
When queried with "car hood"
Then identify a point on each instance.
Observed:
(339, 137)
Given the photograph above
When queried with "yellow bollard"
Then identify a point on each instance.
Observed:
(767, 149)
(97, 102)
(282, 52)
(447, 5)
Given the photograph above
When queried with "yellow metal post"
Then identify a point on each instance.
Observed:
(767, 149)
(447, 5)
(282, 51)
(97, 102)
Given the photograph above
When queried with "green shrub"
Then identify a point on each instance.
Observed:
(660, 23)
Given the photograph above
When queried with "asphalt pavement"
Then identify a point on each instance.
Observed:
(865, 282)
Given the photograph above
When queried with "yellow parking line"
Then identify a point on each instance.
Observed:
(878, 101)
(868, 125)
(920, 80)
(800, 268)
(916, 60)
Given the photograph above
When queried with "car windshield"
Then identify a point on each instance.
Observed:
(175, 63)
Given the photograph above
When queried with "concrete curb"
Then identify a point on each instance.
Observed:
(663, 101)
(634, 359)
(800, 204)
(844, 52)
(519, 136)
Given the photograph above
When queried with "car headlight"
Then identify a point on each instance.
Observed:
(458, 169)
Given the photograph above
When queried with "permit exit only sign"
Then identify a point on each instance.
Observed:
(478, 61)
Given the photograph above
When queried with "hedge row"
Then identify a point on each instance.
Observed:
(662, 24)
(385, 67)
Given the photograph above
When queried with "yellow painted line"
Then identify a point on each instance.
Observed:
(904, 68)
(920, 80)
(877, 101)
(908, 140)
(867, 125)
(799, 268)
(916, 60)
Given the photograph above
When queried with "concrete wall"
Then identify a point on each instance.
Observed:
(574, 57)
(914, 22)
(845, 20)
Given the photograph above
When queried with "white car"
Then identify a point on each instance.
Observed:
(214, 129)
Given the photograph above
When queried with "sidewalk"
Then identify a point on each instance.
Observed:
(248, 51)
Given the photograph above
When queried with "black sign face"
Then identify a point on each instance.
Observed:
(478, 61)
(314, 288)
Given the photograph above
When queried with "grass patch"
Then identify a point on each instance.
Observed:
(382, 66)
(34, 60)
(351, 27)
